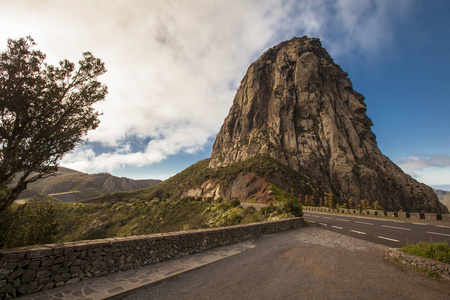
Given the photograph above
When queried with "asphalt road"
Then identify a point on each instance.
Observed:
(305, 263)
(385, 231)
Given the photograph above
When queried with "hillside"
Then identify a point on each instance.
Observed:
(69, 185)
(444, 197)
(252, 180)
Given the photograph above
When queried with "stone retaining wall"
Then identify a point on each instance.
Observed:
(32, 269)
(411, 215)
(420, 262)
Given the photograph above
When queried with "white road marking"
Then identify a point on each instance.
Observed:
(363, 223)
(343, 220)
(445, 234)
(420, 223)
(327, 218)
(397, 221)
(385, 238)
(323, 224)
(401, 228)
(358, 232)
(442, 226)
(337, 227)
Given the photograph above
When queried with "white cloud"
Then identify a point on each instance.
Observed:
(432, 169)
(173, 66)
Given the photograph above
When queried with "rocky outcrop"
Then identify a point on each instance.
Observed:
(296, 105)
(245, 186)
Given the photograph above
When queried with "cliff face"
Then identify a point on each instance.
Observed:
(296, 105)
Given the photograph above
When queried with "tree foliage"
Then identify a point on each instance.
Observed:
(44, 113)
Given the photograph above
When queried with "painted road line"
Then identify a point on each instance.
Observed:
(420, 223)
(323, 224)
(397, 221)
(343, 220)
(442, 226)
(358, 232)
(337, 227)
(438, 233)
(363, 223)
(395, 227)
(385, 238)
(327, 218)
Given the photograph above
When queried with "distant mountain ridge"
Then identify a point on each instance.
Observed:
(69, 185)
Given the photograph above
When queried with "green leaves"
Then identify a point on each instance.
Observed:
(44, 111)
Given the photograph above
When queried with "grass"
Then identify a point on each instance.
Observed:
(439, 251)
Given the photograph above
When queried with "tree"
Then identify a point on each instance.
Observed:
(45, 111)
(351, 205)
(377, 205)
(331, 201)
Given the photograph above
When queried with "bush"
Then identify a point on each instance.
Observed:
(437, 251)
(30, 224)
(235, 202)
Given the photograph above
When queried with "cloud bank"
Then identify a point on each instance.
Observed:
(434, 167)
(174, 66)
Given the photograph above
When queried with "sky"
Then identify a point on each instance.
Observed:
(174, 67)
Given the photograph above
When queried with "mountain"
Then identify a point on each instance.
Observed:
(296, 128)
(257, 179)
(297, 106)
(444, 197)
(69, 185)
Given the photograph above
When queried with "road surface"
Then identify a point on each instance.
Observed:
(390, 232)
(305, 263)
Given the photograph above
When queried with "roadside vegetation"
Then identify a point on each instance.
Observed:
(439, 251)
(41, 221)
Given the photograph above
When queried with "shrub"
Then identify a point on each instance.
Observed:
(437, 251)
(30, 224)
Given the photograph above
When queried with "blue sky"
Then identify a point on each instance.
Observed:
(174, 67)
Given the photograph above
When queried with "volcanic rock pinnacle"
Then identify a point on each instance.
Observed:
(296, 105)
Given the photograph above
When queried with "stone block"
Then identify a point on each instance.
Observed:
(48, 262)
(28, 275)
(28, 288)
(402, 214)
(39, 252)
(15, 274)
(391, 214)
(433, 216)
(8, 289)
(417, 216)
(13, 253)
(34, 264)
(23, 263)
(43, 273)
(48, 286)
(445, 216)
